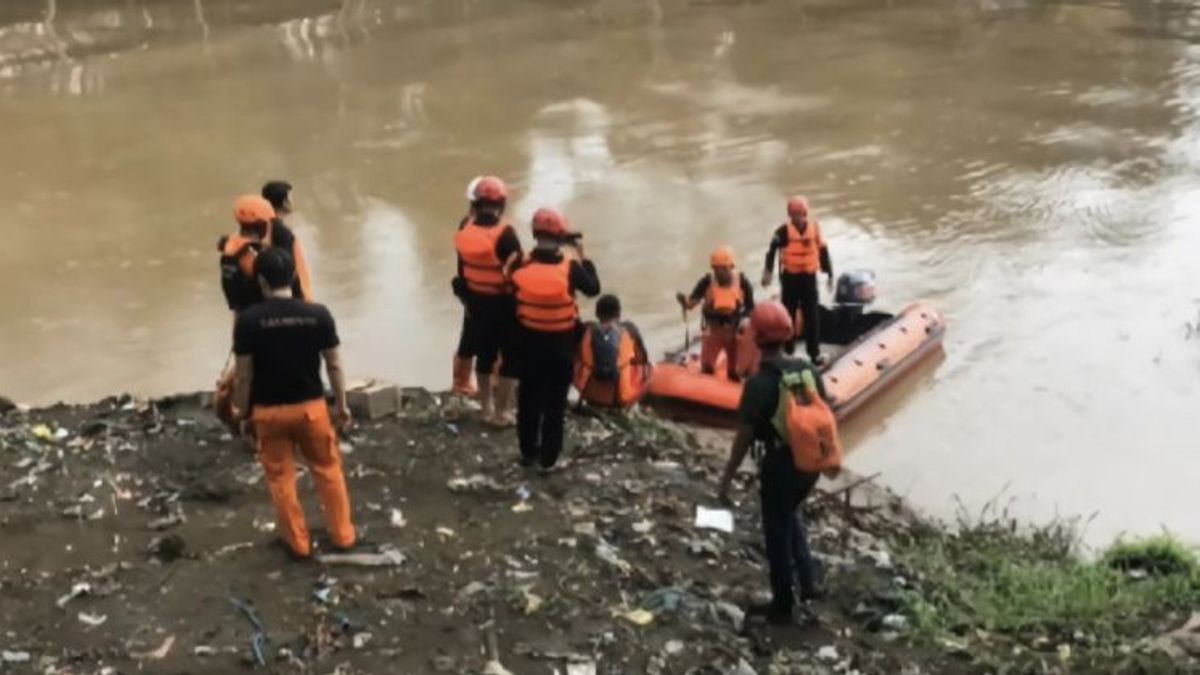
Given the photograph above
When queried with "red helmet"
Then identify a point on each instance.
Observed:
(797, 206)
(771, 323)
(550, 222)
(487, 189)
(252, 210)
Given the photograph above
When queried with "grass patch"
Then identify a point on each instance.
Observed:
(996, 577)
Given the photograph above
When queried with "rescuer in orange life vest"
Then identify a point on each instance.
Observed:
(613, 364)
(280, 343)
(279, 194)
(486, 245)
(799, 435)
(255, 218)
(802, 253)
(548, 330)
(727, 297)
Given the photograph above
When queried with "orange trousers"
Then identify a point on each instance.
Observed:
(281, 431)
(717, 339)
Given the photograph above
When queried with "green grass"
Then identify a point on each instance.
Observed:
(995, 577)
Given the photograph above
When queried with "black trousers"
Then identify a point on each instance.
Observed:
(799, 291)
(783, 490)
(547, 364)
(488, 325)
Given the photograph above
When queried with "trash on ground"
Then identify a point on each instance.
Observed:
(714, 519)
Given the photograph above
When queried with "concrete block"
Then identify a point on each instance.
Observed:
(372, 400)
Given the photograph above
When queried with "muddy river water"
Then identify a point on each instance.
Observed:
(1033, 168)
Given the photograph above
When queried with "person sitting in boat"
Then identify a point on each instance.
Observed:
(613, 365)
(727, 298)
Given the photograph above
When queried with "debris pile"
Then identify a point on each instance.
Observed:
(140, 531)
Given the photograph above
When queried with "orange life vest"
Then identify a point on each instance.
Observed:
(482, 268)
(723, 302)
(606, 374)
(810, 429)
(802, 254)
(544, 299)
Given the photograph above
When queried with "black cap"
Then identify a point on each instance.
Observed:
(276, 192)
(608, 307)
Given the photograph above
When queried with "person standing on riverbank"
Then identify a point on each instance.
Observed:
(802, 253)
(280, 344)
(782, 486)
(279, 194)
(486, 246)
(548, 320)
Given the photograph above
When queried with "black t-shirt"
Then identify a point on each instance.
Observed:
(760, 396)
(286, 338)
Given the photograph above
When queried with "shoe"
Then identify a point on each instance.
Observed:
(463, 386)
(775, 615)
(527, 462)
(813, 595)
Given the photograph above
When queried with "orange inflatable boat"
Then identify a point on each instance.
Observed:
(886, 349)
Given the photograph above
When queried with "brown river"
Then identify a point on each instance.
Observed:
(1031, 167)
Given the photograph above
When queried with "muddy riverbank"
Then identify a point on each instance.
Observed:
(137, 536)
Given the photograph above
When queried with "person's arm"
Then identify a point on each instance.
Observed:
(337, 381)
(302, 274)
(778, 241)
(747, 295)
(641, 355)
(333, 368)
(508, 248)
(826, 261)
(737, 454)
(584, 278)
(689, 302)
(243, 379)
(243, 376)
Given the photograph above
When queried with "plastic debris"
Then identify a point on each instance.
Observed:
(608, 553)
(446, 532)
(397, 519)
(673, 647)
(93, 619)
(714, 519)
(643, 526)
(77, 590)
(897, 622)
(157, 654)
(522, 507)
(588, 668)
(385, 558)
(828, 654)
(639, 617)
(743, 668)
(360, 640)
(14, 657)
(42, 432)
(472, 483)
(258, 643)
(532, 602)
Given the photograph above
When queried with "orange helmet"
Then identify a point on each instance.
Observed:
(797, 206)
(487, 189)
(252, 209)
(550, 222)
(770, 323)
(722, 256)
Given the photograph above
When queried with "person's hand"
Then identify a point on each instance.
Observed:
(767, 278)
(681, 299)
(341, 416)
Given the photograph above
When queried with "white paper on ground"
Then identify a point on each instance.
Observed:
(714, 519)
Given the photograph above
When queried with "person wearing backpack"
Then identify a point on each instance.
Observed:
(613, 364)
(238, 252)
(783, 408)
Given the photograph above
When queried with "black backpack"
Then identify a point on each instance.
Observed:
(606, 348)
